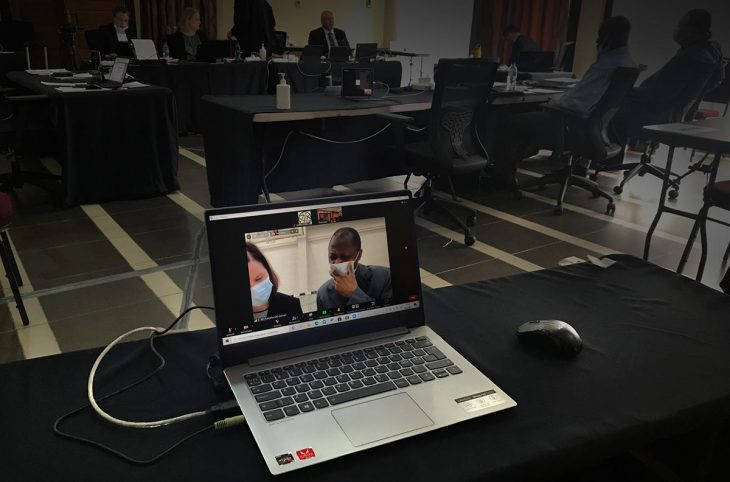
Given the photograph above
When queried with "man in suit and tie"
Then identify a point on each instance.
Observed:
(327, 35)
(114, 37)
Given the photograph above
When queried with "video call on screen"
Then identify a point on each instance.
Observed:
(309, 267)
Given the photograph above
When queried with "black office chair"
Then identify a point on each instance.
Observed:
(278, 43)
(29, 115)
(93, 40)
(586, 140)
(453, 146)
(681, 109)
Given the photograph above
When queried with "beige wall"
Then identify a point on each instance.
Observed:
(591, 16)
(360, 23)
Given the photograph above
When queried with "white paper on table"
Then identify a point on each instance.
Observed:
(82, 76)
(562, 80)
(134, 85)
(543, 91)
(59, 84)
(76, 89)
(46, 71)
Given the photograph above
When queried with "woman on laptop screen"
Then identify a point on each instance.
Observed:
(266, 300)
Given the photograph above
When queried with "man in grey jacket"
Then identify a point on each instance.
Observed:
(352, 282)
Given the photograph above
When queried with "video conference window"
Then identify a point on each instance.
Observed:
(318, 270)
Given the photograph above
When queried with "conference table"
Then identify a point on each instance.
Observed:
(189, 81)
(112, 144)
(306, 76)
(655, 365)
(246, 139)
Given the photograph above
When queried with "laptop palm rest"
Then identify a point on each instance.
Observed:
(379, 419)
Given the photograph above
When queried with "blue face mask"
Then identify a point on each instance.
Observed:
(261, 292)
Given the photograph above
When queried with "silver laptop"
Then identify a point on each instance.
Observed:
(321, 329)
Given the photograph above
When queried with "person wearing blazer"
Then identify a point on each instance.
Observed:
(184, 43)
(114, 37)
(327, 35)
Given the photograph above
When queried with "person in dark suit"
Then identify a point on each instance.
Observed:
(114, 37)
(184, 43)
(520, 43)
(266, 300)
(253, 25)
(351, 281)
(327, 35)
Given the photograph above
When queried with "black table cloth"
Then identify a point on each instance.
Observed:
(112, 144)
(305, 77)
(655, 363)
(189, 81)
(234, 145)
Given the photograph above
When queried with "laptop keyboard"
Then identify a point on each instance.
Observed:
(290, 390)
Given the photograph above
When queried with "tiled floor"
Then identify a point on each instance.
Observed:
(94, 272)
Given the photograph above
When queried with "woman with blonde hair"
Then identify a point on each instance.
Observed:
(184, 43)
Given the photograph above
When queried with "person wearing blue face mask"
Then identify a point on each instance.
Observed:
(352, 282)
(266, 300)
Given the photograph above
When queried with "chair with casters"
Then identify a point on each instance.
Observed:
(683, 108)
(29, 116)
(716, 194)
(7, 256)
(451, 145)
(586, 140)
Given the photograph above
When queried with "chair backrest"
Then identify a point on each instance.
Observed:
(590, 137)
(721, 93)
(462, 90)
(687, 102)
(93, 39)
(14, 34)
(278, 44)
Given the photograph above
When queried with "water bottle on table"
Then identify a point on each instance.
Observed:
(512, 77)
(165, 51)
(238, 51)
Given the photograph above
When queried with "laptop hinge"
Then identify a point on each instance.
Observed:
(308, 350)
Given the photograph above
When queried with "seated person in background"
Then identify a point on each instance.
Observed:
(114, 37)
(265, 297)
(520, 43)
(523, 135)
(184, 43)
(327, 35)
(653, 102)
(352, 282)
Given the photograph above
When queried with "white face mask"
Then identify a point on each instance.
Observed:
(261, 292)
(342, 267)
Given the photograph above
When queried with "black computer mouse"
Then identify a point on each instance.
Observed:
(554, 336)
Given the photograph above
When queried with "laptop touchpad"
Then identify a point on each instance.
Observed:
(380, 419)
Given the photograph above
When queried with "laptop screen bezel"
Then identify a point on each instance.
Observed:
(234, 354)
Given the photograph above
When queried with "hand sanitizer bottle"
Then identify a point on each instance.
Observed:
(283, 93)
(512, 77)
(262, 52)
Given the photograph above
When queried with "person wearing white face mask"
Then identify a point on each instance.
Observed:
(352, 282)
(266, 300)
(114, 37)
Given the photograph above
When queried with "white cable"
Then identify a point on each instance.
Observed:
(124, 423)
(346, 142)
(286, 140)
(329, 68)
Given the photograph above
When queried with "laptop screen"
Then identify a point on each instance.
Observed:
(313, 271)
(357, 82)
(119, 70)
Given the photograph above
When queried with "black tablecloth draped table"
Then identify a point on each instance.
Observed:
(235, 142)
(305, 77)
(112, 144)
(655, 363)
(189, 81)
